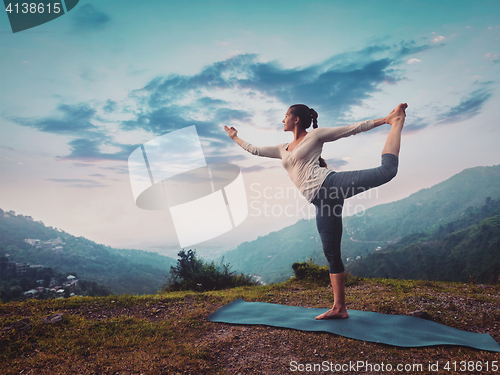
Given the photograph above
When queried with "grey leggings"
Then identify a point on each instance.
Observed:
(329, 202)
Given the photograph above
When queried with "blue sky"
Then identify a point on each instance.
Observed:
(80, 93)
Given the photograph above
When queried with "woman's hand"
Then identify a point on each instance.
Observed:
(231, 131)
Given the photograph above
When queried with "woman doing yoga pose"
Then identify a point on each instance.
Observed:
(325, 188)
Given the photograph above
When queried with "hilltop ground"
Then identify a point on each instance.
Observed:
(168, 333)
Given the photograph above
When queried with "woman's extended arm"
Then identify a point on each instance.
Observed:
(268, 151)
(332, 134)
(380, 121)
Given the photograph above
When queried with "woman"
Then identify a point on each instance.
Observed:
(327, 189)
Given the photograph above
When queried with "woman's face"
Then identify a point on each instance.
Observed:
(290, 121)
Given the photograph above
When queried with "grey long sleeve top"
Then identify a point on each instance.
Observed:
(302, 163)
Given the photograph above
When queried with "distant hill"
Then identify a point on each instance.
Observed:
(425, 209)
(270, 256)
(121, 271)
(451, 252)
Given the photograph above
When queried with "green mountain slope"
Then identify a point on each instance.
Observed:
(122, 271)
(428, 207)
(470, 253)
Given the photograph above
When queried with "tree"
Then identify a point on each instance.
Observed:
(188, 267)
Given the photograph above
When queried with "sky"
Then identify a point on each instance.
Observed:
(82, 92)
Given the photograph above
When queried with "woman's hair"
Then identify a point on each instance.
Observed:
(306, 116)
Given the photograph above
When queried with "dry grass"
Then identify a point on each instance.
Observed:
(169, 333)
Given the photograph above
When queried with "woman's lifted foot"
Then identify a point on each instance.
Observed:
(398, 114)
(334, 313)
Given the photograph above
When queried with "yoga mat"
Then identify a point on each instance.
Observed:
(396, 330)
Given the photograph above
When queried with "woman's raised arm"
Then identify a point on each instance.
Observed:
(267, 151)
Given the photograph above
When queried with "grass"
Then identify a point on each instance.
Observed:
(167, 333)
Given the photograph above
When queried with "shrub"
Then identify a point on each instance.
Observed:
(310, 271)
(192, 273)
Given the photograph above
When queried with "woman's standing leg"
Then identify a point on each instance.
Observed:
(329, 224)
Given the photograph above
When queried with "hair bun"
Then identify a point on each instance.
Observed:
(314, 117)
(314, 114)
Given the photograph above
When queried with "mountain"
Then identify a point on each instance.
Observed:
(468, 254)
(120, 270)
(428, 207)
(271, 256)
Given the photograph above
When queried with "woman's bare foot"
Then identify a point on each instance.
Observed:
(397, 115)
(334, 313)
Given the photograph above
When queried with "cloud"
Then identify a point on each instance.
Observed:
(469, 107)
(119, 169)
(91, 75)
(411, 47)
(83, 165)
(333, 87)
(88, 18)
(243, 89)
(78, 121)
(110, 106)
(167, 118)
(415, 123)
(239, 90)
(89, 150)
(74, 119)
(228, 115)
(76, 182)
(437, 39)
(413, 60)
(493, 56)
(207, 101)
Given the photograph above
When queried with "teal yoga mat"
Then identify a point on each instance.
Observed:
(396, 330)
